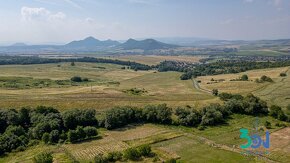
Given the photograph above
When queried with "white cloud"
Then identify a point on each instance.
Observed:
(40, 14)
(33, 13)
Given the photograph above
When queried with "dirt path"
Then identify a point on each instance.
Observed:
(197, 86)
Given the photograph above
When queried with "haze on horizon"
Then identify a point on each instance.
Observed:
(61, 21)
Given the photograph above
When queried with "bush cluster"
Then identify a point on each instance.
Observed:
(19, 128)
(133, 154)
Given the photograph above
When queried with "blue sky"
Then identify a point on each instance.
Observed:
(60, 21)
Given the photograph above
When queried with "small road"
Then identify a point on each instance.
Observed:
(197, 86)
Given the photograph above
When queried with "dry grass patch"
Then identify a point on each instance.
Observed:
(242, 87)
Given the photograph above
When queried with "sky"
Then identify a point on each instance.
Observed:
(61, 21)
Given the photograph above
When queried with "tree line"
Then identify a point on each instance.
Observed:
(216, 68)
(7, 60)
(210, 115)
(26, 127)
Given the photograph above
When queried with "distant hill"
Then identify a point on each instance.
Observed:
(19, 44)
(148, 44)
(91, 42)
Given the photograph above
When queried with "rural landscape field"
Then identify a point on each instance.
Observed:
(92, 81)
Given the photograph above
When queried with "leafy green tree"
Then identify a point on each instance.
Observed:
(54, 136)
(157, 114)
(211, 116)
(72, 136)
(24, 117)
(275, 110)
(75, 117)
(188, 116)
(244, 77)
(90, 131)
(80, 133)
(72, 64)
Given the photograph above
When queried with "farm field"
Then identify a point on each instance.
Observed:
(262, 52)
(156, 59)
(106, 86)
(274, 93)
(168, 142)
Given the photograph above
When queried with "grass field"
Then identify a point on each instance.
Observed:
(274, 93)
(277, 92)
(155, 59)
(105, 89)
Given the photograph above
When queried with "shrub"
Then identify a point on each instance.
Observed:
(283, 74)
(76, 79)
(265, 78)
(45, 138)
(114, 156)
(244, 77)
(267, 124)
(274, 111)
(201, 127)
(144, 150)
(85, 79)
(171, 161)
(44, 157)
(131, 154)
(90, 131)
(215, 92)
(100, 159)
